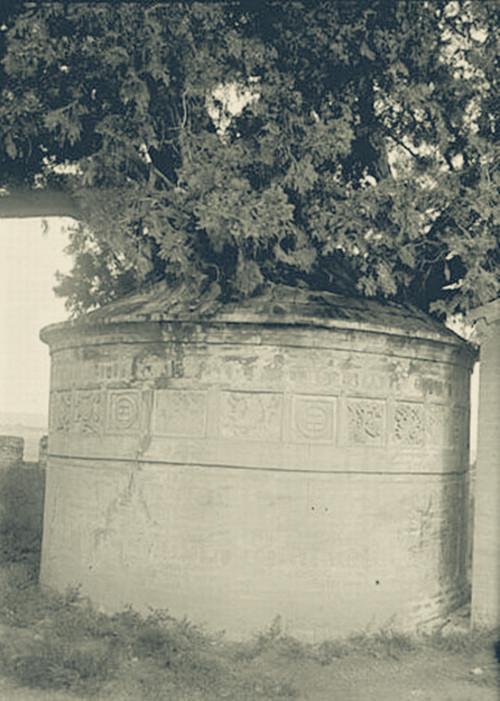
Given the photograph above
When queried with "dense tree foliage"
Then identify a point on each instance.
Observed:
(346, 145)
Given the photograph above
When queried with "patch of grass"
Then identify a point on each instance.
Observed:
(49, 661)
(465, 642)
(62, 642)
(21, 515)
(383, 644)
(52, 642)
(23, 604)
(273, 641)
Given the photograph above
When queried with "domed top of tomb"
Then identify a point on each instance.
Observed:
(276, 305)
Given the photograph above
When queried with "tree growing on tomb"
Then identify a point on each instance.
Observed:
(348, 146)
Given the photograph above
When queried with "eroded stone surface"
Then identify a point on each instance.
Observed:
(233, 471)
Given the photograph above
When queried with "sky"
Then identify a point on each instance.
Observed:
(29, 259)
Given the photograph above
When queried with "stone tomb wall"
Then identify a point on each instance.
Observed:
(232, 473)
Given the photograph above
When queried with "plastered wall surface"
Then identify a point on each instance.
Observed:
(232, 473)
(485, 607)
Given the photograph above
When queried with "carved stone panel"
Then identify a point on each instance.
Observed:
(366, 420)
(446, 427)
(315, 371)
(88, 415)
(437, 425)
(80, 372)
(150, 366)
(113, 369)
(180, 412)
(313, 419)
(351, 380)
(409, 424)
(123, 411)
(61, 411)
(253, 415)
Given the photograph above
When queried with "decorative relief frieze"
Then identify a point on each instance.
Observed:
(68, 372)
(87, 415)
(406, 384)
(180, 412)
(150, 366)
(123, 413)
(315, 373)
(376, 382)
(446, 427)
(273, 370)
(113, 370)
(314, 376)
(312, 419)
(366, 421)
(351, 380)
(437, 425)
(417, 380)
(409, 424)
(222, 369)
(437, 388)
(253, 415)
(61, 405)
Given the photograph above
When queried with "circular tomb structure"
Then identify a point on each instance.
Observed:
(299, 454)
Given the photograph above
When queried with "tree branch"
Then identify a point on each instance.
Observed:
(21, 204)
(401, 143)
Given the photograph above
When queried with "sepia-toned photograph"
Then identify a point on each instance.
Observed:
(250, 350)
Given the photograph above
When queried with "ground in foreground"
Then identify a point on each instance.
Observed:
(59, 649)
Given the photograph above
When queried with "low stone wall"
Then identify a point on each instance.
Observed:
(22, 491)
(11, 451)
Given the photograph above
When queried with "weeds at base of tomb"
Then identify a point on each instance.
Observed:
(62, 642)
(383, 644)
(57, 641)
